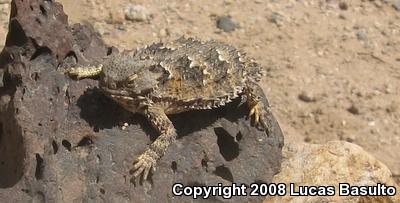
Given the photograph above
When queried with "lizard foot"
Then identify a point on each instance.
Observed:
(143, 164)
(257, 113)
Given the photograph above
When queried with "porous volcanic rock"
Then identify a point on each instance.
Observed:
(62, 141)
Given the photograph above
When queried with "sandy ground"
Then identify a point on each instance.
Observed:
(333, 67)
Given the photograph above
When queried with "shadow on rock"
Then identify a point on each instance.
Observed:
(102, 113)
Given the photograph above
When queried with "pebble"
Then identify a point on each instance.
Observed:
(137, 13)
(307, 139)
(116, 17)
(164, 32)
(125, 125)
(393, 108)
(4, 8)
(226, 24)
(342, 16)
(361, 35)
(354, 110)
(100, 28)
(277, 18)
(378, 4)
(396, 5)
(343, 5)
(228, 2)
(350, 138)
(307, 97)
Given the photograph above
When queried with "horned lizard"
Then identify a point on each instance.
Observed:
(169, 78)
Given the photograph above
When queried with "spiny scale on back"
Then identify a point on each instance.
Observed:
(196, 74)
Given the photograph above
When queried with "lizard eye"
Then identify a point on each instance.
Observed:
(131, 79)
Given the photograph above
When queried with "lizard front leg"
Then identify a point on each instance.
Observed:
(147, 161)
(84, 71)
(258, 105)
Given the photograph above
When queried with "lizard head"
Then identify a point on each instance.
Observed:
(124, 75)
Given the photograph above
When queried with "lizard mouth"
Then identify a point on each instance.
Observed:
(119, 95)
(114, 92)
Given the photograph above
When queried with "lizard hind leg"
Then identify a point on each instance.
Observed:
(258, 105)
(147, 161)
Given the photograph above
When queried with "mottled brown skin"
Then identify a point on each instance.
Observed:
(175, 77)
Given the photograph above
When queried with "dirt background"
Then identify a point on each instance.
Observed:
(333, 67)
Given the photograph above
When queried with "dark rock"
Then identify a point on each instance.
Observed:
(1, 77)
(226, 24)
(61, 140)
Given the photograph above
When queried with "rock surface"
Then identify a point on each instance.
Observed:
(63, 141)
(328, 165)
(316, 50)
